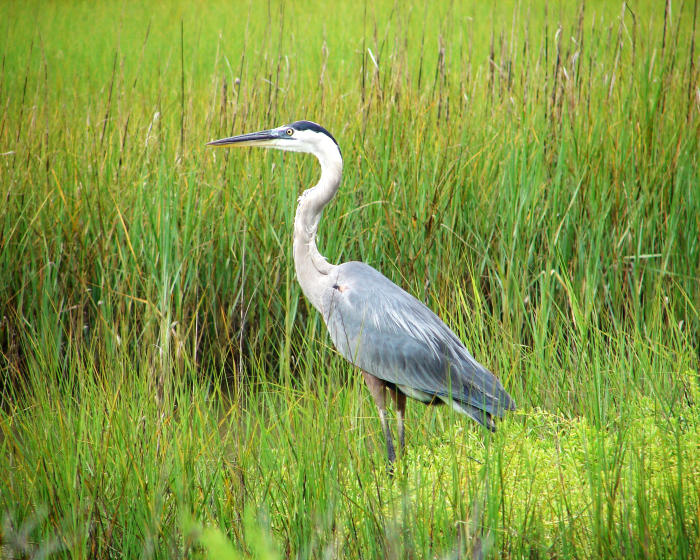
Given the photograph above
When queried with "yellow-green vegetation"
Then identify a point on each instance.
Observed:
(529, 170)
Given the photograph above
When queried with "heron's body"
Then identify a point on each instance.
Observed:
(397, 341)
(411, 348)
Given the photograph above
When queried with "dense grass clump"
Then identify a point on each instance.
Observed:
(529, 171)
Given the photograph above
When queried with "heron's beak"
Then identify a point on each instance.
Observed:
(262, 138)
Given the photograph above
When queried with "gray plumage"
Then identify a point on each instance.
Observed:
(387, 332)
(397, 341)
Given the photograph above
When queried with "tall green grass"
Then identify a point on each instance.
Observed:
(529, 171)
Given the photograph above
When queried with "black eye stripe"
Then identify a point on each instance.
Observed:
(308, 125)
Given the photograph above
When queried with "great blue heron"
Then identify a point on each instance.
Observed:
(396, 341)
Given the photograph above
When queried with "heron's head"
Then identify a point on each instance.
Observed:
(299, 136)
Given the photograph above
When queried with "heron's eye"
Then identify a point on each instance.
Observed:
(290, 131)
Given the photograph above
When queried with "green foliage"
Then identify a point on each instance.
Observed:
(529, 171)
(261, 543)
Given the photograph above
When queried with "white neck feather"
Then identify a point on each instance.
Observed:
(312, 268)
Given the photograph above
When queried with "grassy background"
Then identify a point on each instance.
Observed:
(529, 171)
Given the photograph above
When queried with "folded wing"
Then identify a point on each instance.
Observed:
(387, 332)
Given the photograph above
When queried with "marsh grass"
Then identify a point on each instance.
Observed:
(531, 173)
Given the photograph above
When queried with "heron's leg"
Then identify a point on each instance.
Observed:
(400, 401)
(376, 388)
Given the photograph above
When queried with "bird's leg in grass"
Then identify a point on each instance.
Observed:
(400, 401)
(376, 388)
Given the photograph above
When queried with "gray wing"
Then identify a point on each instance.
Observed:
(387, 332)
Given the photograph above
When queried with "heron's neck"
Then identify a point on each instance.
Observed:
(312, 268)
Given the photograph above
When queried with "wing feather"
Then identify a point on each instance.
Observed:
(387, 332)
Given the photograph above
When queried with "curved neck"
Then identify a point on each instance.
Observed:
(311, 267)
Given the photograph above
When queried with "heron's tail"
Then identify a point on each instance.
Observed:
(480, 416)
